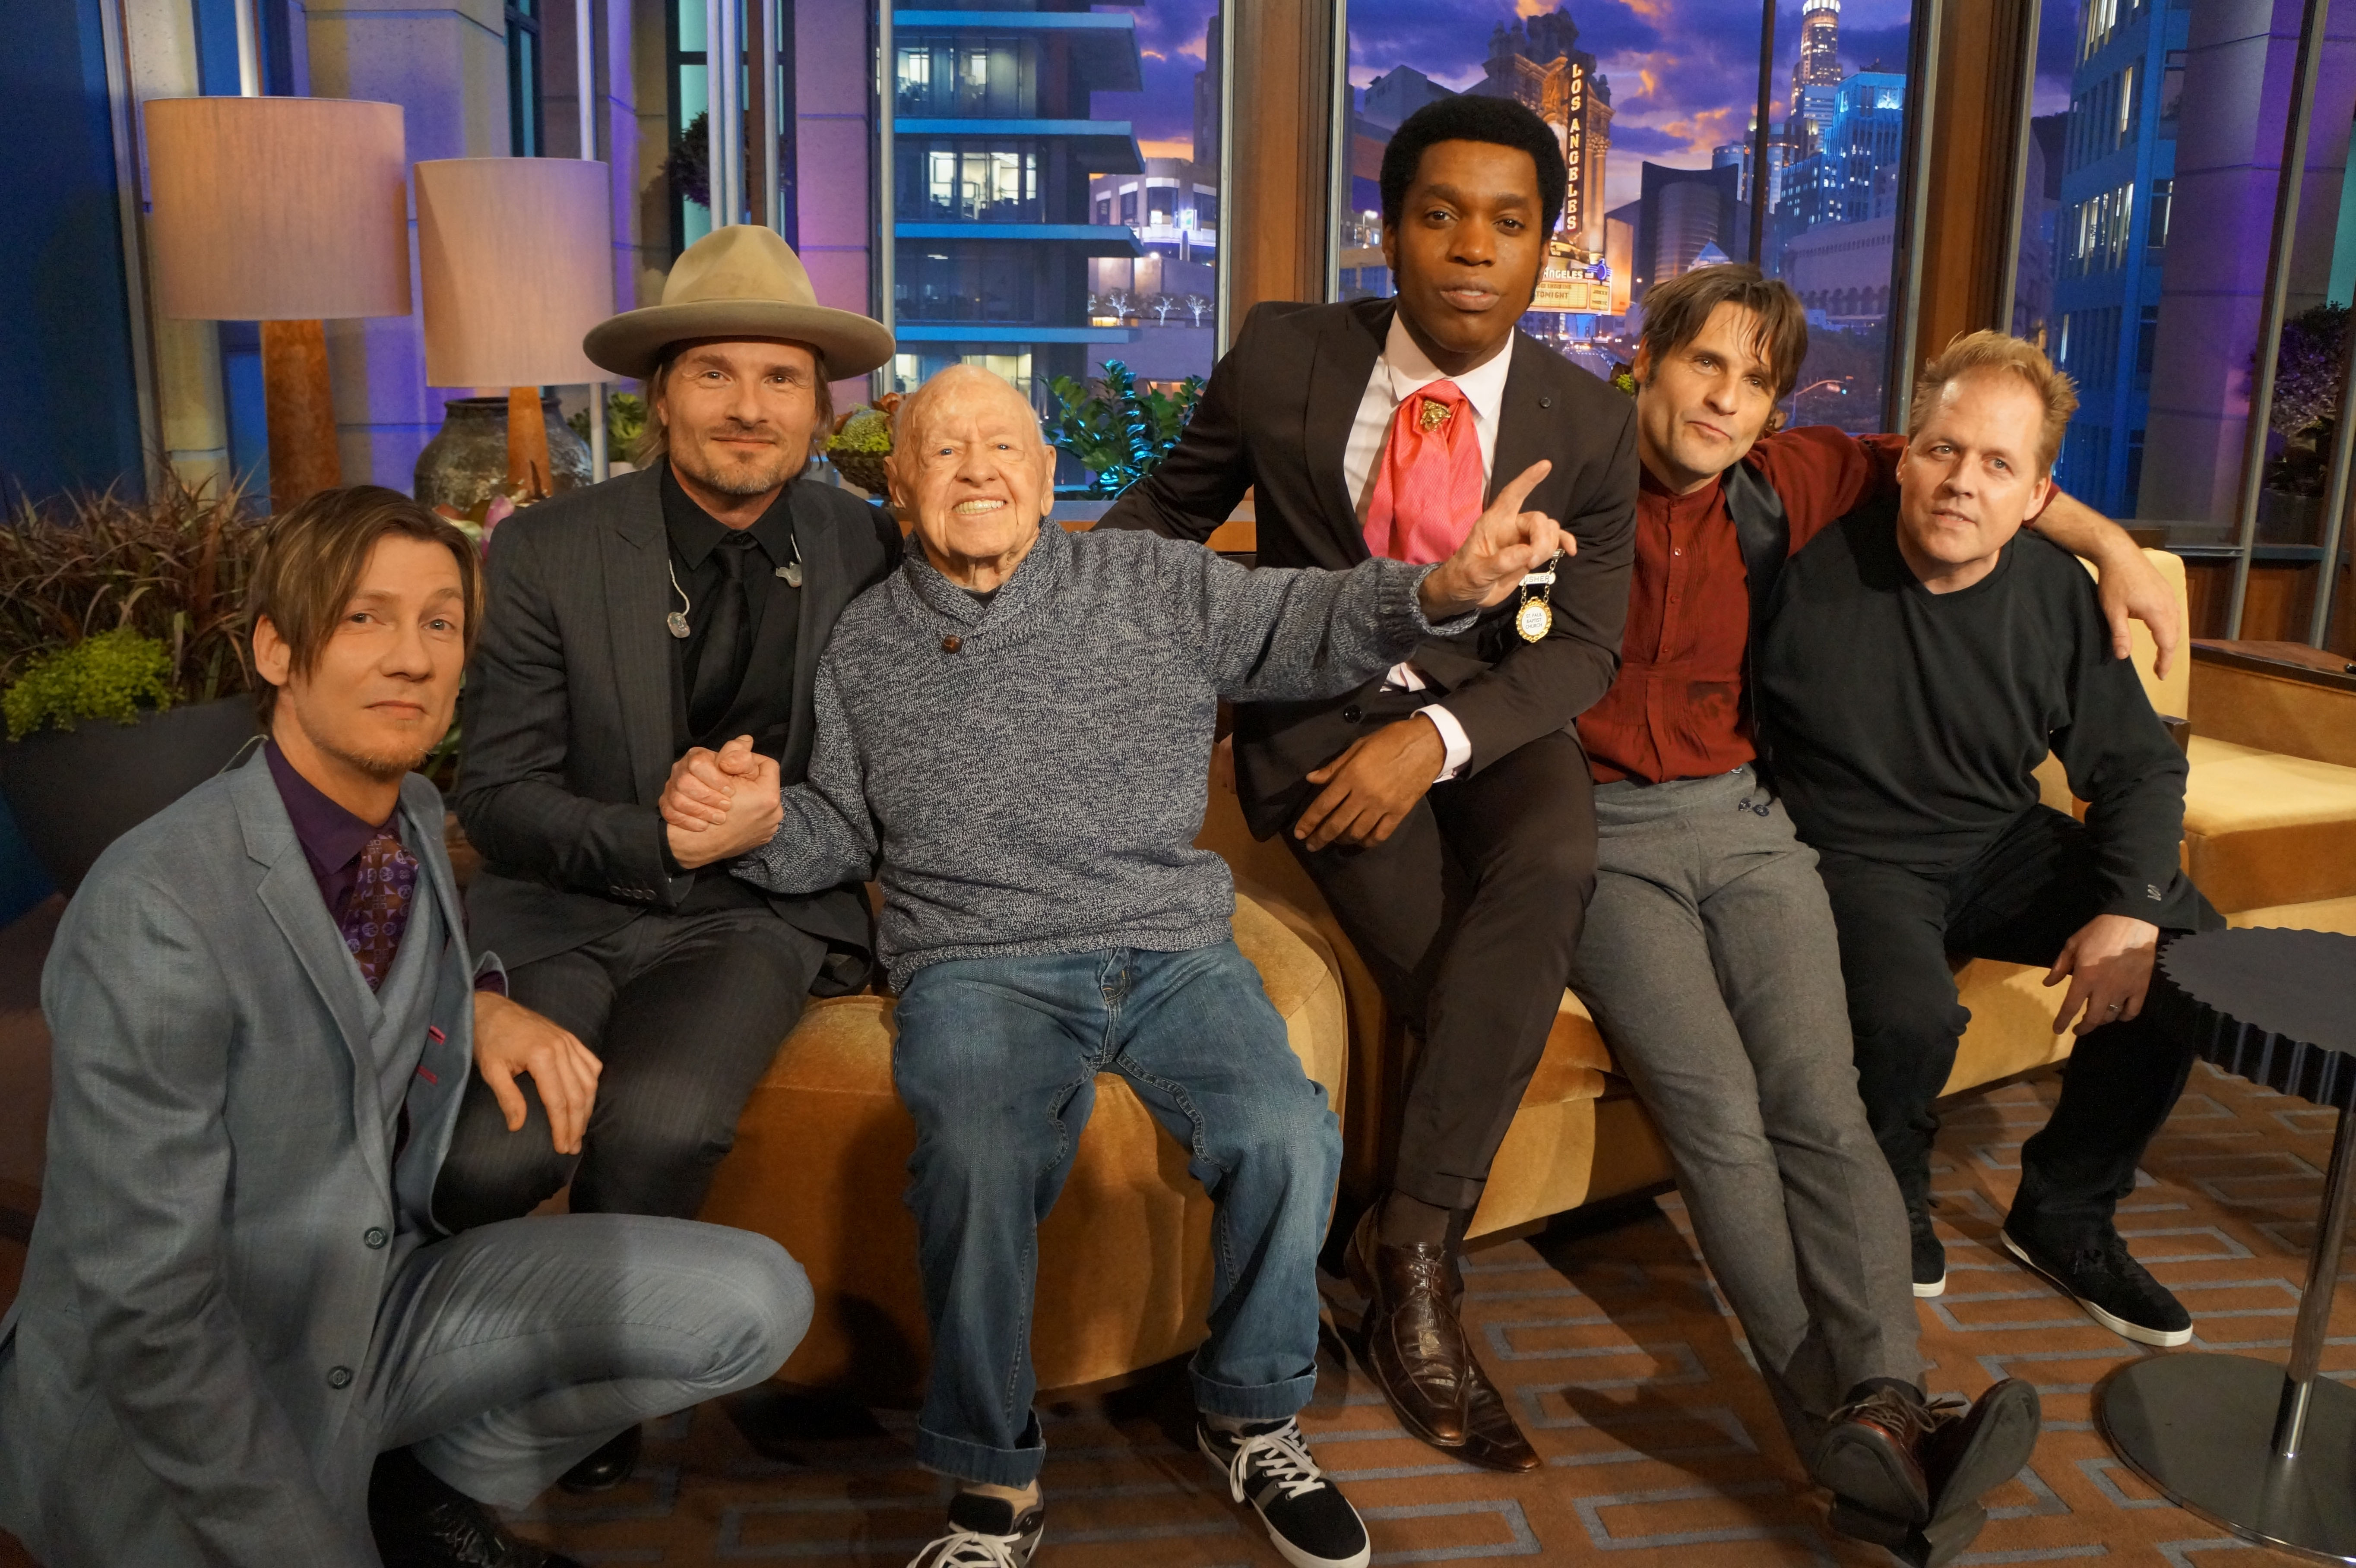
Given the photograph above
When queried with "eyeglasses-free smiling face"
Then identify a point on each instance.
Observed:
(1970, 478)
(1467, 249)
(738, 416)
(970, 463)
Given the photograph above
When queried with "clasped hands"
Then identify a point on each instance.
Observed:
(721, 804)
(1371, 787)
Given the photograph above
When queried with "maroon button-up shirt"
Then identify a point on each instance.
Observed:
(1675, 712)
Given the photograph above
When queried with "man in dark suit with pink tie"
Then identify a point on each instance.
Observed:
(1443, 808)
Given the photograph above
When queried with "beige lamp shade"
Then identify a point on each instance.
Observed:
(278, 209)
(516, 258)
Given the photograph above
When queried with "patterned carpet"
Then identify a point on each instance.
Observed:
(1661, 1445)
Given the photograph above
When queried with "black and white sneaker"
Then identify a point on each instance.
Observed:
(985, 1532)
(2094, 1267)
(1267, 1465)
(1930, 1256)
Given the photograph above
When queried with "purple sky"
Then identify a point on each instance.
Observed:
(1170, 40)
(1684, 72)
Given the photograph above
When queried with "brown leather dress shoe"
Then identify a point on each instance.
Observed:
(1871, 1452)
(1493, 1439)
(1414, 1345)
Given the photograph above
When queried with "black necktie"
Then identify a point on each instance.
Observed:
(727, 638)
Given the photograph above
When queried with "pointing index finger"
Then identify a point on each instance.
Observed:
(1509, 500)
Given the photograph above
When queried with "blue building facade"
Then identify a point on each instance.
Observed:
(992, 149)
(2118, 168)
(1836, 183)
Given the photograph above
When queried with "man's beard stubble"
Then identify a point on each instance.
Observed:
(762, 478)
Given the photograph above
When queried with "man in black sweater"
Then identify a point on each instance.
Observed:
(1919, 661)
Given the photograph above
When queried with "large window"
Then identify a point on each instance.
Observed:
(2145, 232)
(772, 23)
(524, 121)
(1054, 190)
(1657, 109)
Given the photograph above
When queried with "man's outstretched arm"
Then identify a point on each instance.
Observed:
(2131, 588)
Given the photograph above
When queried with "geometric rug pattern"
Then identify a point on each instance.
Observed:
(1661, 1445)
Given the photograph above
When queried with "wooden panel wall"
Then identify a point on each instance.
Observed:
(1280, 212)
(1984, 47)
(2282, 597)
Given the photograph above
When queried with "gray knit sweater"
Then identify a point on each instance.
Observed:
(1032, 773)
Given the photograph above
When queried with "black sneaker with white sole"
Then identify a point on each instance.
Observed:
(1267, 1465)
(1930, 1256)
(2094, 1266)
(985, 1532)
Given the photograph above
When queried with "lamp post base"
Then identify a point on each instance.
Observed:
(300, 404)
(2201, 1427)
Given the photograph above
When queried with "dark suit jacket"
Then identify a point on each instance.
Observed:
(567, 723)
(1276, 418)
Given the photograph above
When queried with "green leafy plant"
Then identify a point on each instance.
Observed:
(861, 441)
(1118, 434)
(115, 675)
(171, 567)
(625, 420)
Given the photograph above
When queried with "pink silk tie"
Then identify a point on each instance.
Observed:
(1428, 484)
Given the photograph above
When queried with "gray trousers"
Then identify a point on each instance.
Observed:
(507, 1354)
(1710, 964)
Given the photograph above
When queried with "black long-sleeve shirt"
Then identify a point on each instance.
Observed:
(1903, 725)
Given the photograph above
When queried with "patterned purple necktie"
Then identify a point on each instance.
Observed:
(378, 912)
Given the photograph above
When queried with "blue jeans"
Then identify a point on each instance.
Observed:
(997, 1060)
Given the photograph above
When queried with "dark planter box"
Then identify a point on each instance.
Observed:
(76, 791)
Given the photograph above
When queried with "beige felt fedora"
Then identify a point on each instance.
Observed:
(743, 281)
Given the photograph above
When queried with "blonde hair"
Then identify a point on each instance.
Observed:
(1969, 352)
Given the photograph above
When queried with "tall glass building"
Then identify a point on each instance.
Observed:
(2118, 168)
(993, 149)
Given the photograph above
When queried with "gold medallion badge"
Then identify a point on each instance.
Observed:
(1534, 620)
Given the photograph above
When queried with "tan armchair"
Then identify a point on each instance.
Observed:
(1124, 1261)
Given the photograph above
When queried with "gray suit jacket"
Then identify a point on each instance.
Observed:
(182, 1374)
(567, 714)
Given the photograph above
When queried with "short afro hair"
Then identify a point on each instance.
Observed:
(1472, 118)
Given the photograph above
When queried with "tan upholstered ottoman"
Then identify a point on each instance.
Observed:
(1124, 1261)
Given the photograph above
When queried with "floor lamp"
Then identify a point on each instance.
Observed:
(291, 212)
(516, 258)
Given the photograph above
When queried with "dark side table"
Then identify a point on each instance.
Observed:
(2267, 1451)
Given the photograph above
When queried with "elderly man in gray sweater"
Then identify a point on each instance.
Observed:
(1014, 735)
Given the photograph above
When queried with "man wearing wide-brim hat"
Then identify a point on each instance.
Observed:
(681, 605)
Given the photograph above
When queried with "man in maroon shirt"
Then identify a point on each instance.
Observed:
(1709, 960)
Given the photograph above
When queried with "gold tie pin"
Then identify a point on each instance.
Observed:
(1431, 415)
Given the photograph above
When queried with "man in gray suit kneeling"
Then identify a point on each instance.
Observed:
(241, 1336)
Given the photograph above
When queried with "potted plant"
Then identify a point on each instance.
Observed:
(861, 441)
(124, 674)
(1118, 434)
